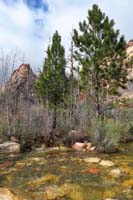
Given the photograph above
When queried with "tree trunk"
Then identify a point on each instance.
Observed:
(54, 120)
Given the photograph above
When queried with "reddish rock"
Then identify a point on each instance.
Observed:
(82, 146)
(6, 164)
(93, 170)
(78, 146)
(22, 83)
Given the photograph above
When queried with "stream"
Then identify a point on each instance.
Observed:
(63, 174)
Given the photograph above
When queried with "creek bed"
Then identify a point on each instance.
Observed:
(29, 175)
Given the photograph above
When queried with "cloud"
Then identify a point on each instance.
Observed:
(29, 24)
(22, 28)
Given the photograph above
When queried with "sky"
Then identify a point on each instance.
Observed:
(27, 26)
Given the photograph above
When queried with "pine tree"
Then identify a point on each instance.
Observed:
(101, 54)
(52, 82)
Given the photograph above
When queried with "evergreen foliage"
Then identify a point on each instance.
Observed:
(52, 81)
(101, 54)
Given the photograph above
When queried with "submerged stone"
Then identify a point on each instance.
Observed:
(92, 160)
(49, 177)
(53, 192)
(116, 172)
(72, 191)
(107, 163)
(93, 170)
(110, 199)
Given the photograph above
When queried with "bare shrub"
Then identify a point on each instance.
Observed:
(79, 118)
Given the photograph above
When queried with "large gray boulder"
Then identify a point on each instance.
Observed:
(9, 147)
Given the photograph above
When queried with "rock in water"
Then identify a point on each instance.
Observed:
(10, 147)
(110, 199)
(92, 160)
(116, 172)
(65, 191)
(6, 164)
(93, 170)
(6, 194)
(107, 163)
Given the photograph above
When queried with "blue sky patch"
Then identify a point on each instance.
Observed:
(36, 4)
(32, 4)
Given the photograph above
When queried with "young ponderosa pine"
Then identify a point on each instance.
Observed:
(52, 82)
(101, 54)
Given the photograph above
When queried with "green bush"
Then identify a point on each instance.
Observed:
(108, 133)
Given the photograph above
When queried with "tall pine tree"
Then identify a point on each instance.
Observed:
(52, 82)
(101, 53)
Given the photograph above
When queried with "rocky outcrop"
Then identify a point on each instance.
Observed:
(21, 84)
(128, 93)
(23, 76)
(9, 147)
(129, 49)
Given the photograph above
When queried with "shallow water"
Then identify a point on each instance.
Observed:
(31, 173)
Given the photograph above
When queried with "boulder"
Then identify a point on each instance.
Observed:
(82, 146)
(10, 147)
(6, 194)
(87, 146)
(107, 163)
(78, 146)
